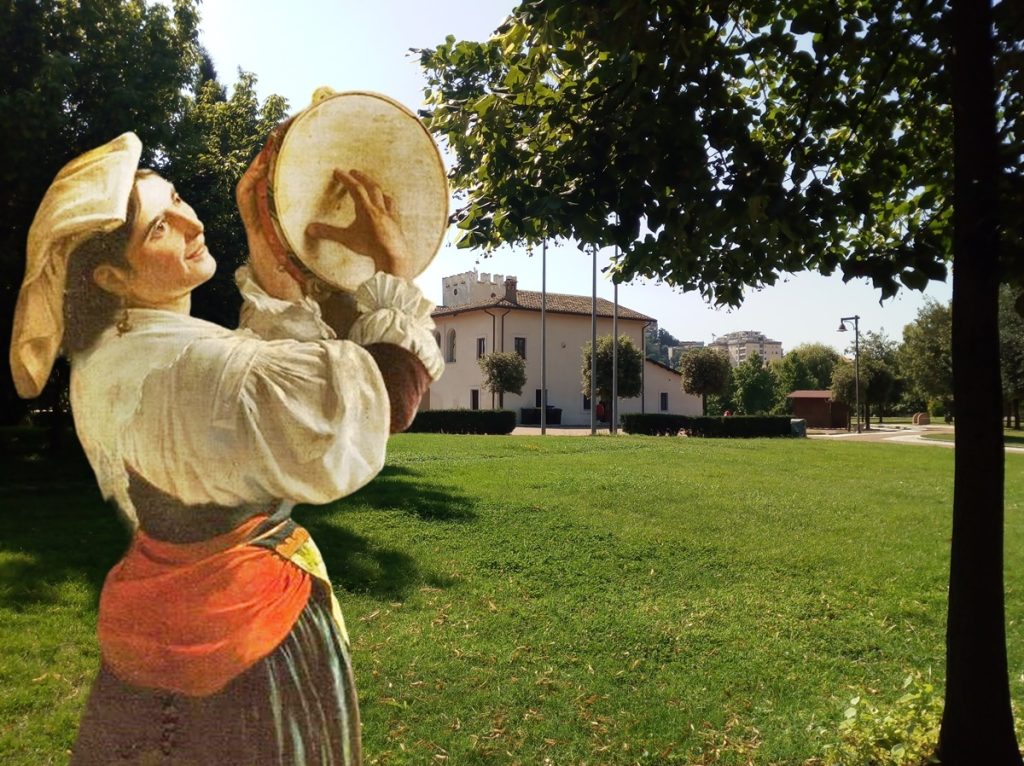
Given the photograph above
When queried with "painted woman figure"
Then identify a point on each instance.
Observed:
(220, 637)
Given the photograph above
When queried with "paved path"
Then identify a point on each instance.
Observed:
(558, 431)
(885, 433)
(898, 435)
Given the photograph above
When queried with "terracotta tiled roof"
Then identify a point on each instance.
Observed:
(810, 395)
(557, 303)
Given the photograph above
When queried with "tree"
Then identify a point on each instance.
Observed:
(504, 372)
(879, 368)
(75, 76)
(926, 356)
(807, 367)
(1011, 352)
(876, 385)
(630, 368)
(657, 344)
(705, 372)
(719, 145)
(755, 386)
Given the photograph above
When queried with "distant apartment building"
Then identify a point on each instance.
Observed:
(740, 345)
(482, 313)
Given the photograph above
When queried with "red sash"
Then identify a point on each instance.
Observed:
(190, 617)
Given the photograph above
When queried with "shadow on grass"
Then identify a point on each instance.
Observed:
(358, 564)
(55, 528)
(396, 489)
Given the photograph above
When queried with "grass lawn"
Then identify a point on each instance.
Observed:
(521, 600)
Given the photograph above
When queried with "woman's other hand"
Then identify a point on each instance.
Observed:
(267, 268)
(375, 232)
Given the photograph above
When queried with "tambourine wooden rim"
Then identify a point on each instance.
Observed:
(353, 129)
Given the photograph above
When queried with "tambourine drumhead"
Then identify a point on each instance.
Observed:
(379, 137)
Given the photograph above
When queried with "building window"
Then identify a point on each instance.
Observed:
(481, 347)
(521, 349)
(474, 399)
(664, 402)
(449, 352)
(437, 339)
(586, 402)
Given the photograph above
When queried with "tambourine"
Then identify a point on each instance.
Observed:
(357, 130)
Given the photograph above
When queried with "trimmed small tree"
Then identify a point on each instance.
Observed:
(705, 372)
(630, 366)
(504, 372)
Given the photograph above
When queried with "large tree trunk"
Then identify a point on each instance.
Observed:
(977, 724)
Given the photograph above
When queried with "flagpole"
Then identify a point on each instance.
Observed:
(615, 357)
(544, 338)
(593, 345)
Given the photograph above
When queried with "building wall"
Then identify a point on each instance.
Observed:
(739, 351)
(470, 287)
(461, 376)
(658, 380)
(567, 334)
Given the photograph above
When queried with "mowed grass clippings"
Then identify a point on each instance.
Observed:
(569, 600)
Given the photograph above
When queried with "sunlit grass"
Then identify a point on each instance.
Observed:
(568, 599)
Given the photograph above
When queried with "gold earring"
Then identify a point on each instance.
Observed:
(124, 324)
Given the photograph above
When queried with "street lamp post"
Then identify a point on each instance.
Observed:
(856, 359)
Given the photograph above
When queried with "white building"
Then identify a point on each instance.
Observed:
(482, 314)
(742, 344)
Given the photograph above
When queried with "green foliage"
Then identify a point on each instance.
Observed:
(76, 75)
(504, 372)
(1011, 342)
(903, 734)
(754, 386)
(737, 426)
(718, 145)
(819, 360)
(877, 382)
(656, 345)
(463, 422)
(807, 367)
(652, 423)
(926, 356)
(630, 368)
(705, 372)
(877, 346)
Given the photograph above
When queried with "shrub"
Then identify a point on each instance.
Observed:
(742, 426)
(464, 422)
(906, 734)
(654, 424)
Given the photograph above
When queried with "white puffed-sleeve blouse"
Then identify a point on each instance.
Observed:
(277, 410)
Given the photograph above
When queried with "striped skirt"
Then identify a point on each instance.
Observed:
(295, 707)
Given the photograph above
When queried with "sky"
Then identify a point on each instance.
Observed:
(294, 47)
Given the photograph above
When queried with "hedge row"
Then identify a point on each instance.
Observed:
(464, 422)
(656, 424)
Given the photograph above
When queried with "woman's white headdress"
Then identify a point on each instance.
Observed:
(88, 196)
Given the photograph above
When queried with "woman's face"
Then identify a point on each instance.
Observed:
(167, 252)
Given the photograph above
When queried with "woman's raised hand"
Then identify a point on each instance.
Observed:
(267, 267)
(375, 232)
